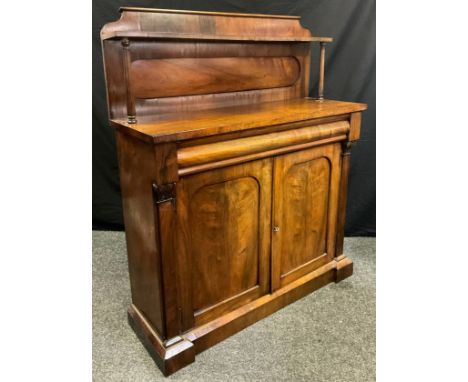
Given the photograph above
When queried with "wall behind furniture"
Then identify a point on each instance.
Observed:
(349, 76)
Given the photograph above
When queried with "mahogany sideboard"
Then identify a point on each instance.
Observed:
(233, 180)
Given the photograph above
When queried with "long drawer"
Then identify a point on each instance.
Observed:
(201, 157)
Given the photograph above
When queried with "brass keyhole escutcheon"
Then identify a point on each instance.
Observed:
(276, 229)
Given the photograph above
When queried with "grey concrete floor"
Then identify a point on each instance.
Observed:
(328, 335)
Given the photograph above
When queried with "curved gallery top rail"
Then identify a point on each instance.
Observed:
(230, 14)
(167, 23)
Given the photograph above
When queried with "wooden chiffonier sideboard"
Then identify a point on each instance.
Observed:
(233, 180)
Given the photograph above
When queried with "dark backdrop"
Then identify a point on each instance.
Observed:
(349, 76)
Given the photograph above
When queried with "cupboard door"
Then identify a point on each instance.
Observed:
(224, 225)
(305, 200)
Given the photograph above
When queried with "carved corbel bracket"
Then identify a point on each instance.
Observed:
(346, 147)
(164, 193)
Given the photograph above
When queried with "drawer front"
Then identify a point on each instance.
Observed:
(208, 156)
(305, 201)
(224, 225)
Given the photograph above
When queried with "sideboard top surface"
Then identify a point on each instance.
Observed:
(198, 124)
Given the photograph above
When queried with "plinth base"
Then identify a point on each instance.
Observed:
(177, 352)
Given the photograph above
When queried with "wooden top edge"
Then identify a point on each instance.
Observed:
(149, 23)
(200, 124)
(230, 14)
(321, 39)
(191, 36)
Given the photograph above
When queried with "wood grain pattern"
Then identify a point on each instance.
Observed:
(168, 49)
(144, 23)
(188, 76)
(355, 127)
(165, 35)
(165, 172)
(140, 50)
(224, 220)
(237, 147)
(233, 181)
(260, 155)
(193, 125)
(261, 131)
(224, 217)
(137, 166)
(304, 202)
(304, 222)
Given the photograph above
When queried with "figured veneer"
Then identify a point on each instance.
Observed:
(194, 124)
(305, 206)
(188, 76)
(224, 219)
(211, 152)
(233, 180)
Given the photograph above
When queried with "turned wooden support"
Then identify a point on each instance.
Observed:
(321, 81)
(131, 114)
(321, 71)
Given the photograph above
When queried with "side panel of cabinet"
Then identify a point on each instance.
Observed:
(306, 186)
(224, 222)
(137, 169)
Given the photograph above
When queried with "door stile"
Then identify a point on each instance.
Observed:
(277, 211)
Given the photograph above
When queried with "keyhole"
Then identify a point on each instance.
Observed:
(275, 229)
